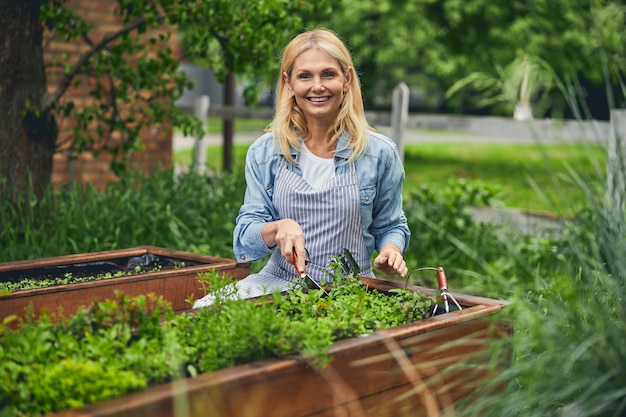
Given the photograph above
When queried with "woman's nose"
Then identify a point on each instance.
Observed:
(317, 84)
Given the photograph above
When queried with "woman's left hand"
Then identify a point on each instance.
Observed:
(390, 261)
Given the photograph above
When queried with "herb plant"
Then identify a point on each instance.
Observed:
(118, 346)
(7, 287)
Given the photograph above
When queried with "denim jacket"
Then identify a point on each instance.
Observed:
(380, 176)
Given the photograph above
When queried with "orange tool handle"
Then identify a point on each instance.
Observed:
(441, 279)
(301, 272)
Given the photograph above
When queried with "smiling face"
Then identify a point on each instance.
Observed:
(318, 85)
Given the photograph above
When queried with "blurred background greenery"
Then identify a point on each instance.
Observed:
(566, 287)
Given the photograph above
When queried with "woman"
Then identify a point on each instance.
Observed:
(321, 179)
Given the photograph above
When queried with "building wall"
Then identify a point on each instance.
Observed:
(89, 167)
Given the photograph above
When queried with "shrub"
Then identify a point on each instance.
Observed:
(188, 212)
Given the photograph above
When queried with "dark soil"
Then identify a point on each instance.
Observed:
(131, 265)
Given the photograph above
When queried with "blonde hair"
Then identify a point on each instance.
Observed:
(288, 125)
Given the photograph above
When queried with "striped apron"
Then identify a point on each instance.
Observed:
(330, 219)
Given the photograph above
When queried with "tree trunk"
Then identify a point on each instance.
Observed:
(228, 124)
(27, 136)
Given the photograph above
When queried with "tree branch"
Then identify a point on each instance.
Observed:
(50, 100)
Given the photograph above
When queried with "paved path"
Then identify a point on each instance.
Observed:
(522, 221)
(182, 142)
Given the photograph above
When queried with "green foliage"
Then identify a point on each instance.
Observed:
(107, 350)
(188, 212)
(197, 214)
(70, 384)
(67, 278)
(132, 74)
(526, 81)
(487, 259)
(568, 350)
(444, 233)
(567, 289)
(118, 346)
(432, 44)
(245, 37)
(352, 309)
(568, 298)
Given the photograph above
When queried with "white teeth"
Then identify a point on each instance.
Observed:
(318, 99)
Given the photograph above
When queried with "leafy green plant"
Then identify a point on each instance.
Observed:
(8, 287)
(141, 342)
(38, 280)
(70, 384)
(569, 317)
(521, 84)
(188, 212)
(445, 233)
(354, 308)
(46, 366)
(568, 352)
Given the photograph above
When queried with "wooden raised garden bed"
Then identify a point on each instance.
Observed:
(411, 370)
(169, 273)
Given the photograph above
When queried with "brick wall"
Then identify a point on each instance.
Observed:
(91, 168)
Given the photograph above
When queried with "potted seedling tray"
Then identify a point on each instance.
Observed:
(422, 368)
(169, 273)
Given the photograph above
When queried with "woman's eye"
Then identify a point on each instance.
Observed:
(329, 74)
(304, 76)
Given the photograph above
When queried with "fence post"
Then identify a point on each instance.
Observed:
(616, 172)
(399, 115)
(201, 111)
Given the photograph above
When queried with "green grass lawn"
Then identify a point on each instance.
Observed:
(510, 167)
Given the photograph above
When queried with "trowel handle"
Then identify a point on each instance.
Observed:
(442, 280)
(300, 271)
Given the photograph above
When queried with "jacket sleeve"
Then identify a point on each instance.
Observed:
(257, 208)
(389, 223)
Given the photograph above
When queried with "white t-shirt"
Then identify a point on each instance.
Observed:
(315, 170)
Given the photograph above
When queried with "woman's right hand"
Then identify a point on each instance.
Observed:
(288, 235)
